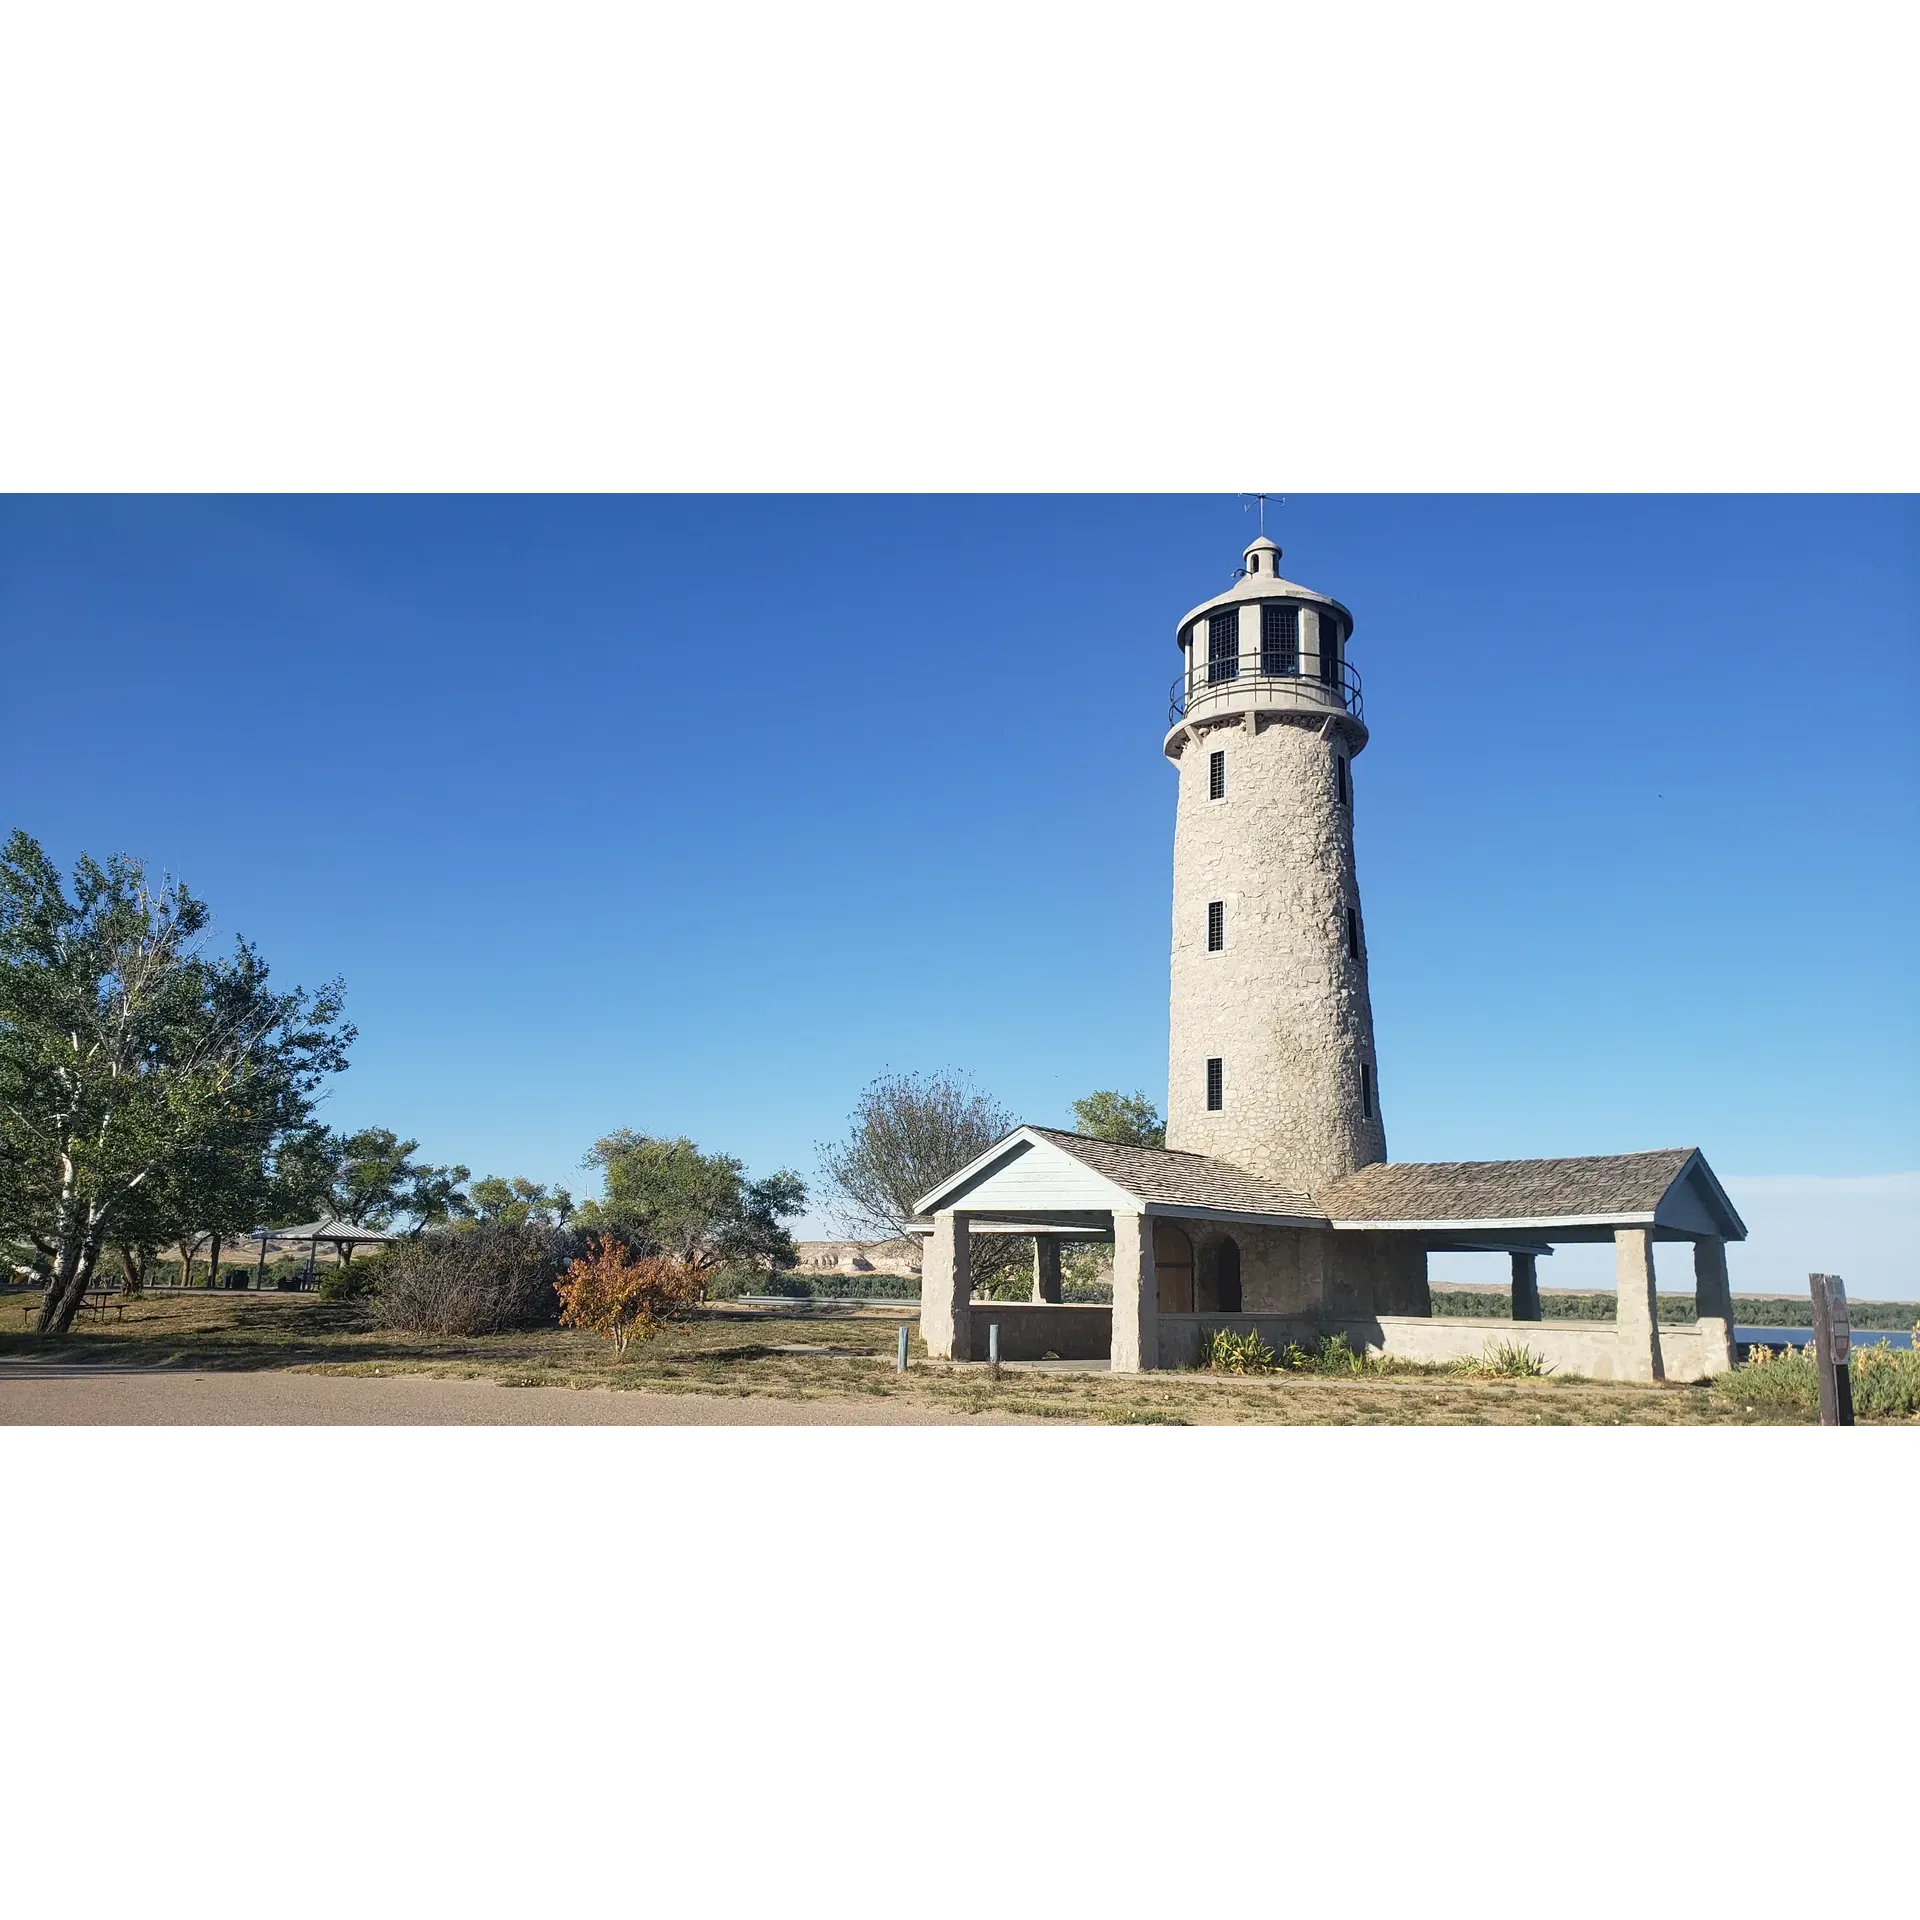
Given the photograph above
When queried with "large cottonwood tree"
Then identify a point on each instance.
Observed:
(132, 1058)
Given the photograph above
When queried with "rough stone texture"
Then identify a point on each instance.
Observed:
(946, 1287)
(1281, 1268)
(1030, 1332)
(1284, 1005)
(1713, 1302)
(1046, 1270)
(1526, 1286)
(1136, 1305)
(1637, 1313)
(1376, 1273)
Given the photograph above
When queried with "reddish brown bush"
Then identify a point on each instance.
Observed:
(620, 1298)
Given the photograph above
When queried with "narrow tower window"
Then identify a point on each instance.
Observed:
(1279, 642)
(1216, 925)
(1329, 649)
(1223, 647)
(1342, 785)
(1366, 1090)
(1217, 775)
(1353, 932)
(1216, 1087)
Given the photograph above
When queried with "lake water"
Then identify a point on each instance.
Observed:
(1803, 1336)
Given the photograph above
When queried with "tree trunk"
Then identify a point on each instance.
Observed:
(213, 1267)
(72, 1275)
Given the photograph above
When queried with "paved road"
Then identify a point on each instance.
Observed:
(35, 1394)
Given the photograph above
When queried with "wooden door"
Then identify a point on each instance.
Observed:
(1173, 1268)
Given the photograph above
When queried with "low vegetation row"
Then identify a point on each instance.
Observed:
(1676, 1309)
(1886, 1380)
(1333, 1354)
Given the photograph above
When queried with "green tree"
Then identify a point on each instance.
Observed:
(666, 1196)
(498, 1201)
(1127, 1119)
(127, 1051)
(371, 1179)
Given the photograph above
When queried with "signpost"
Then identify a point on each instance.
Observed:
(1832, 1343)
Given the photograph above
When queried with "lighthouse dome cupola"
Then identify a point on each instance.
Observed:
(1271, 1060)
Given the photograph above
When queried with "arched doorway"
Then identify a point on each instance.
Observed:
(1226, 1276)
(1172, 1268)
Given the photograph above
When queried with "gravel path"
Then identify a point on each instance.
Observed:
(35, 1394)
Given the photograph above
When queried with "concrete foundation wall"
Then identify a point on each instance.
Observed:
(1592, 1350)
(1029, 1332)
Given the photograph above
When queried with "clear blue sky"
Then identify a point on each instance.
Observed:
(693, 815)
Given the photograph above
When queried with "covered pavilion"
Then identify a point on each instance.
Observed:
(1200, 1245)
(342, 1235)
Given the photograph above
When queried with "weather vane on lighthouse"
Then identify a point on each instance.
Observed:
(1260, 499)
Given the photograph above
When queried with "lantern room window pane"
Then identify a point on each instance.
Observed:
(1279, 642)
(1223, 647)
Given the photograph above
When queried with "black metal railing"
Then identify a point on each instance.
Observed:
(1303, 689)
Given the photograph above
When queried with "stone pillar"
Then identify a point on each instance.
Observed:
(946, 1287)
(1638, 1310)
(1713, 1303)
(1046, 1268)
(1136, 1299)
(1526, 1286)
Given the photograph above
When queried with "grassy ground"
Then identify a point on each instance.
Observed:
(798, 1354)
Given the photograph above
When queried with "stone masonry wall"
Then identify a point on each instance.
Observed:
(1284, 1005)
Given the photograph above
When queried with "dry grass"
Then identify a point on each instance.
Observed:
(801, 1353)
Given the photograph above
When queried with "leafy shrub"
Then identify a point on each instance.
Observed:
(1510, 1360)
(489, 1279)
(1230, 1352)
(620, 1298)
(1886, 1380)
(1329, 1354)
(357, 1281)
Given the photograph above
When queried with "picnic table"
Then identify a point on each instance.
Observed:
(95, 1300)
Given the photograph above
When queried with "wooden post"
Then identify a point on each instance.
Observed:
(1832, 1348)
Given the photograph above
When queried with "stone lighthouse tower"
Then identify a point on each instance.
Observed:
(1271, 1065)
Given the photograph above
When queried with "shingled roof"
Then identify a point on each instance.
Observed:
(1598, 1186)
(1181, 1179)
(1025, 1175)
